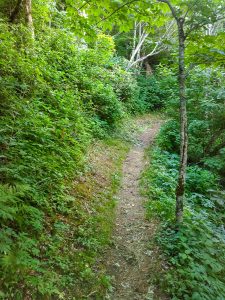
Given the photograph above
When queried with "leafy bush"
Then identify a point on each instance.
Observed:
(169, 138)
(56, 94)
(158, 89)
(200, 180)
(205, 95)
(196, 252)
(127, 89)
(197, 258)
(161, 187)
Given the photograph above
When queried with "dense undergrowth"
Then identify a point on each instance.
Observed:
(206, 118)
(57, 94)
(195, 252)
(64, 133)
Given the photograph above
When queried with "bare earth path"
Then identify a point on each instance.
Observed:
(129, 259)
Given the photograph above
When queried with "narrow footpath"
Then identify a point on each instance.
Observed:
(129, 260)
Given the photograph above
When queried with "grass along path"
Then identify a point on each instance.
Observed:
(95, 190)
(129, 260)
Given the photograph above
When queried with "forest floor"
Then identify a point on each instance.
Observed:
(132, 261)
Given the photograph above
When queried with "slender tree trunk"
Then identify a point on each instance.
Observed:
(140, 35)
(28, 15)
(180, 190)
(134, 36)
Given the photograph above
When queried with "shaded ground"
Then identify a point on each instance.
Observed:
(130, 261)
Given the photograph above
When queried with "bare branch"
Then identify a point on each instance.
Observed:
(159, 47)
(137, 49)
(152, 53)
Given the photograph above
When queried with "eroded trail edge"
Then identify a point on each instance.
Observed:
(129, 259)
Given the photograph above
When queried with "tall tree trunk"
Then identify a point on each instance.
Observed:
(134, 36)
(180, 189)
(28, 15)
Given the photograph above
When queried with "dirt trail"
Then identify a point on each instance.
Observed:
(129, 259)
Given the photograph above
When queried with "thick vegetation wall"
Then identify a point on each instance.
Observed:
(194, 251)
(206, 115)
(56, 95)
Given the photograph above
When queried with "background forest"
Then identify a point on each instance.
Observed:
(71, 72)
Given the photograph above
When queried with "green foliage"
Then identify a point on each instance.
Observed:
(161, 187)
(126, 88)
(59, 91)
(196, 252)
(158, 89)
(199, 180)
(211, 51)
(206, 113)
(56, 95)
(168, 137)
